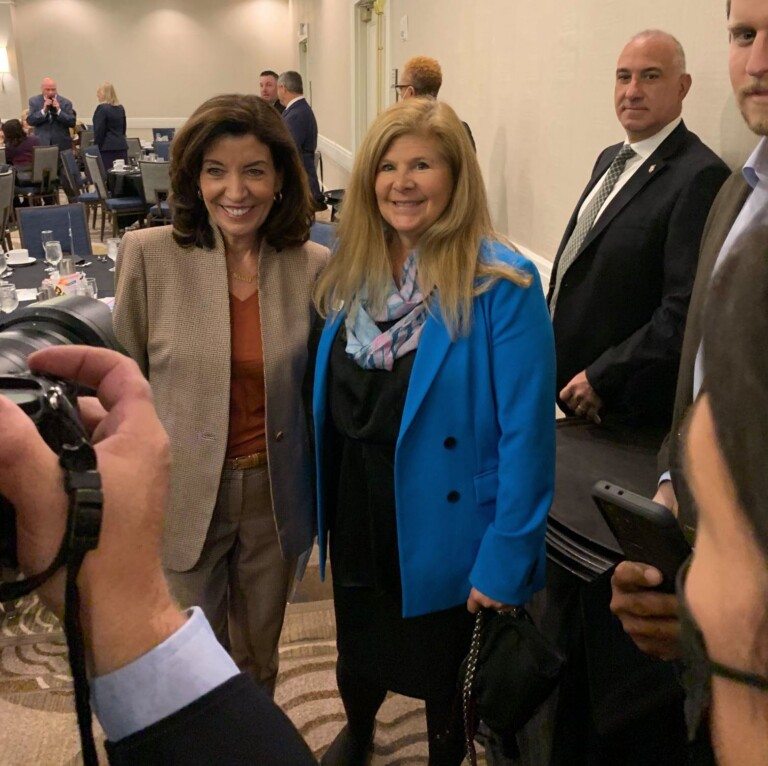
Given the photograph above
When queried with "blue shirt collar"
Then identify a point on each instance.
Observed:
(755, 169)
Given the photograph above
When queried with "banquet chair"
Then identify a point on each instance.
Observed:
(78, 183)
(7, 183)
(162, 150)
(134, 150)
(2, 157)
(156, 180)
(60, 219)
(86, 139)
(163, 134)
(117, 206)
(323, 233)
(44, 184)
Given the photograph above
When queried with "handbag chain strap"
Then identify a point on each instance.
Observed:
(467, 703)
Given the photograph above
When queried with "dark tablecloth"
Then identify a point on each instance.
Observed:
(125, 184)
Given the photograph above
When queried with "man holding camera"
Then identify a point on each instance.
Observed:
(52, 116)
(164, 690)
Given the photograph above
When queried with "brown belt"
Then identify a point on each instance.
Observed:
(247, 461)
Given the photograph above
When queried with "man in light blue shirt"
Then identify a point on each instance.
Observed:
(162, 687)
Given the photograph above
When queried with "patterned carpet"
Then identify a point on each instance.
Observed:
(37, 722)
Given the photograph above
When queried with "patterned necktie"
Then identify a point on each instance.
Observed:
(587, 219)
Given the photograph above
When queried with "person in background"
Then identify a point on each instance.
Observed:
(24, 124)
(163, 689)
(436, 360)
(300, 119)
(422, 77)
(723, 591)
(217, 312)
(51, 116)
(19, 149)
(109, 126)
(268, 89)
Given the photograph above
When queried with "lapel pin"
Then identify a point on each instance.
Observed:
(651, 169)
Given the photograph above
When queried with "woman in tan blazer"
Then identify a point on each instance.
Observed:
(216, 310)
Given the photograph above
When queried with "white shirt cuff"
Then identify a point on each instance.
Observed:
(187, 665)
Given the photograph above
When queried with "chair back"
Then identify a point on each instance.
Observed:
(60, 219)
(45, 165)
(97, 174)
(134, 149)
(156, 180)
(163, 134)
(72, 176)
(7, 184)
(2, 157)
(163, 150)
(323, 233)
(86, 139)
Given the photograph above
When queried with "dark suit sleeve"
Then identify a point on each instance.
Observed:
(660, 340)
(66, 115)
(99, 125)
(236, 723)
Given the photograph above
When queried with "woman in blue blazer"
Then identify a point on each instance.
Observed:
(434, 423)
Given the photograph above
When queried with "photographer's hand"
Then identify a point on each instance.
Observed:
(126, 606)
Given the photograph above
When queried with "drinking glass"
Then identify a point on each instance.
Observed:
(46, 236)
(113, 244)
(91, 288)
(9, 299)
(3, 261)
(53, 254)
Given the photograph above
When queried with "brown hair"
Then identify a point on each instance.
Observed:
(13, 132)
(736, 378)
(289, 220)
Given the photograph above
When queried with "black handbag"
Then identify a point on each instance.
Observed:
(509, 672)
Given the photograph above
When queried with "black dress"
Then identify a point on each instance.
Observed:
(416, 656)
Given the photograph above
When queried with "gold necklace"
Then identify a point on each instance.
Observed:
(241, 278)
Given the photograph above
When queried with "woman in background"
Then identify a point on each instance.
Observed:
(217, 312)
(109, 126)
(19, 149)
(434, 423)
(723, 591)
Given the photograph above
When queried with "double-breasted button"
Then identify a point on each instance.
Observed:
(279, 436)
(450, 442)
(453, 496)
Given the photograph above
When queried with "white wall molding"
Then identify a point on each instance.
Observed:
(335, 153)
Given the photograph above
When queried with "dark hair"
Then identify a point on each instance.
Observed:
(269, 73)
(736, 378)
(727, 9)
(235, 114)
(291, 81)
(13, 132)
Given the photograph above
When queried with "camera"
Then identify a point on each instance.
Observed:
(51, 404)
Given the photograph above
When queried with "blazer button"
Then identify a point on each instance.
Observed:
(453, 496)
(279, 436)
(450, 442)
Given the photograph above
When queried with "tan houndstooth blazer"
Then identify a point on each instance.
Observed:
(172, 315)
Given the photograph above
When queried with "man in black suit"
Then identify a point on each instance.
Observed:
(162, 687)
(52, 116)
(300, 120)
(268, 89)
(623, 274)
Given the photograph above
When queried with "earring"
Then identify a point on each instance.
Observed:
(278, 198)
(199, 194)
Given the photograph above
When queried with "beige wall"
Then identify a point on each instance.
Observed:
(533, 79)
(164, 59)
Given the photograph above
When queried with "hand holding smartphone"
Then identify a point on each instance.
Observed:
(646, 531)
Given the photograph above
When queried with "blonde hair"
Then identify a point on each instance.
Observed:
(425, 75)
(106, 94)
(448, 262)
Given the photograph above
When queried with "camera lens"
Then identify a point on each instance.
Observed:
(68, 320)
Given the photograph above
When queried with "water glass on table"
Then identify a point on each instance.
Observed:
(53, 254)
(88, 287)
(46, 236)
(9, 299)
(3, 262)
(113, 245)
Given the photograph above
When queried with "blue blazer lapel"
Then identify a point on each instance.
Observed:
(320, 390)
(432, 350)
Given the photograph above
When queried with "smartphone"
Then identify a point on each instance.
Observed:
(646, 531)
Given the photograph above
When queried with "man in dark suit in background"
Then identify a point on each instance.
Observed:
(300, 120)
(52, 116)
(623, 274)
(268, 89)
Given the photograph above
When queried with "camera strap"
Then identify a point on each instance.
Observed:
(82, 483)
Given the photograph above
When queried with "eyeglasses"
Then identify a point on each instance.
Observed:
(401, 87)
